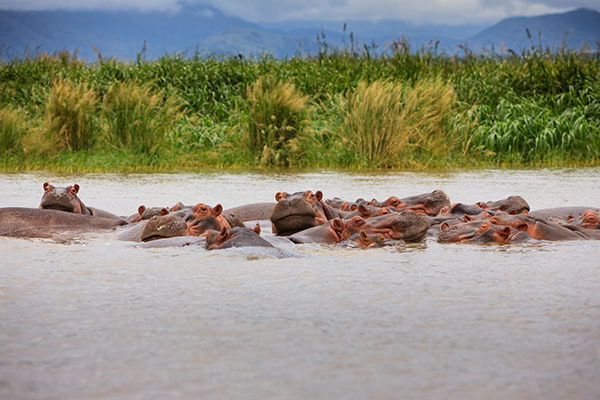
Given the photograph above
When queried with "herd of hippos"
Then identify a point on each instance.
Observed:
(306, 217)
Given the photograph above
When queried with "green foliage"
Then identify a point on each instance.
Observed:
(535, 107)
(71, 116)
(387, 120)
(276, 120)
(137, 118)
(12, 129)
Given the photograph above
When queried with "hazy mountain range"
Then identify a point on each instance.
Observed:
(208, 31)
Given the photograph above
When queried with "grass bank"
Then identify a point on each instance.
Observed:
(337, 109)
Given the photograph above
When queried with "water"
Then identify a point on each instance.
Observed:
(94, 318)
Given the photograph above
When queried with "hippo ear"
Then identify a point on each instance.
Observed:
(468, 218)
(354, 207)
(444, 210)
(217, 210)
(76, 187)
(141, 209)
(444, 226)
(319, 195)
(177, 206)
(363, 235)
(280, 195)
(256, 229)
(337, 224)
(164, 211)
(47, 187)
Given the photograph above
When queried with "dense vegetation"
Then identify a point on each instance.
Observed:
(334, 109)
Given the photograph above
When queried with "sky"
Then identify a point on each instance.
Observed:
(447, 12)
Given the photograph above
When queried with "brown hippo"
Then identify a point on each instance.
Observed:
(66, 199)
(538, 228)
(298, 211)
(158, 227)
(44, 223)
(235, 237)
(512, 205)
(427, 203)
(481, 232)
(563, 214)
(406, 225)
(250, 212)
(365, 241)
(330, 232)
(147, 213)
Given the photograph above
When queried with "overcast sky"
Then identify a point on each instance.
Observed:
(450, 12)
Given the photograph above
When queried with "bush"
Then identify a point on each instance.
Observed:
(12, 129)
(276, 120)
(137, 118)
(385, 120)
(70, 116)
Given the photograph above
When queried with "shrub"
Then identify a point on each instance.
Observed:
(276, 120)
(385, 120)
(70, 116)
(137, 118)
(12, 129)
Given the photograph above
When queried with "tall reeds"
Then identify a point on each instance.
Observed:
(12, 129)
(71, 116)
(276, 120)
(386, 120)
(137, 118)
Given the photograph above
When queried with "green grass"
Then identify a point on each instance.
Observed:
(337, 108)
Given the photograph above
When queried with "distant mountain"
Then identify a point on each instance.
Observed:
(119, 34)
(204, 29)
(574, 28)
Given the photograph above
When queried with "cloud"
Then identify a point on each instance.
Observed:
(451, 12)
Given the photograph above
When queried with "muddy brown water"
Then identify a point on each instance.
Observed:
(93, 318)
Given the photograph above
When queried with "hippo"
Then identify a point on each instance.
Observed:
(538, 228)
(235, 237)
(482, 232)
(460, 209)
(158, 227)
(147, 213)
(365, 241)
(330, 232)
(48, 223)
(561, 213)
(512, 205)
(406, 225)
(66, 199)
(298, 211)
(427, 203)
(250, 212)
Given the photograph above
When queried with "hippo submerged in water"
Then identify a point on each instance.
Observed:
(307, 217)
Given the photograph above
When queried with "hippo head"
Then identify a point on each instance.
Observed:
(511, 205)
(233, 237)
(165, 226)
(145, 213)
(204, 218)
(408, 226)
(428, 203)
(477, 232)
(63, 199)
(297, 211)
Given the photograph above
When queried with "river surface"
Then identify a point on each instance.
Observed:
(92, 318)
